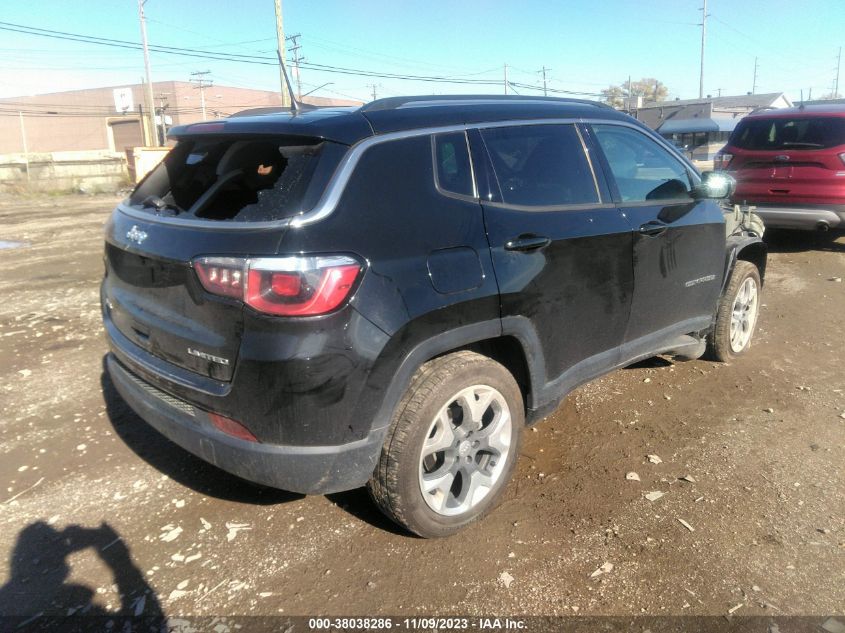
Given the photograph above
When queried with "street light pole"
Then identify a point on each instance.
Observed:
(150, 132)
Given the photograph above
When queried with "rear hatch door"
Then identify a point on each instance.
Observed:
(789, 159)
(228, 196)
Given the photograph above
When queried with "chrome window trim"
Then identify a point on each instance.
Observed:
(582, 206)
(337, 183)
(666, 202)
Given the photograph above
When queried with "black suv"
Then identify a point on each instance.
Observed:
(387, 295)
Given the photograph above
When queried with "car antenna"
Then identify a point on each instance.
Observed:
(294, 104)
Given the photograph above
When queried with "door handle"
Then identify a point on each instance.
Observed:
(653, 228)
(527, 243)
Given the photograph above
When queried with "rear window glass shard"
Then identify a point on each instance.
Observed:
(540, 165)
(785, 133)
(239, 179)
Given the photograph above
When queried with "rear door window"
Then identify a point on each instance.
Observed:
(642, 168)
(541, 165)
(240, 179)
(789, 133)
(452, 164)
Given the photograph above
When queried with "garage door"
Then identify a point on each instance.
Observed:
(126, 134)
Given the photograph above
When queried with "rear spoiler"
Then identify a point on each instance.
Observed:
(341, 126)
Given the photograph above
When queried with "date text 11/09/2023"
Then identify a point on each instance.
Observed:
(416, 623)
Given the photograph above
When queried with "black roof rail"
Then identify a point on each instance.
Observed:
(392, 103)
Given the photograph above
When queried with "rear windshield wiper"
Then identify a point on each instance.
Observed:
(161, 207)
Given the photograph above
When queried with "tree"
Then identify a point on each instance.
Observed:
(614, 96)
(650, 89)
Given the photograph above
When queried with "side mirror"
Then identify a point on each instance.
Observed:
(715, 184)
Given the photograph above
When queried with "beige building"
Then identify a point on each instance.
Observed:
(110, 119)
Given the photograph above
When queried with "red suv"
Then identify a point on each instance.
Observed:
(790, 163)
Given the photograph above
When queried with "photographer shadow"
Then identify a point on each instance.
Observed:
(39, 572)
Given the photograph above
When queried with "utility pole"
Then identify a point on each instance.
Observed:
(628, 97)
(754, 83)
(545, 91)
(506, 79)
(162, 106)
(703, 41)
(149, 133)
(280, 38)
(296, 58)
(836, 83)
(202, 83)
(373, 86)
(25, 148)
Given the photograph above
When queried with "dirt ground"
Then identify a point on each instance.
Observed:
(99, 513)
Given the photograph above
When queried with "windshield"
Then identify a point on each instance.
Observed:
(792, 133)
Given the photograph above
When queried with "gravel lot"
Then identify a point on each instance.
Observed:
(99, 513)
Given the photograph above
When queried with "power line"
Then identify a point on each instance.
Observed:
(268, 61)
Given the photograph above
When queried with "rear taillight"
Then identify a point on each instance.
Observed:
(721, 161)
(282, 286)
(222, 275)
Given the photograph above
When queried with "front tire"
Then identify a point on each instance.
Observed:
(452, 446)
(736, 318)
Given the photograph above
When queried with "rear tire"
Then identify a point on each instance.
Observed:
(736, 318)
(452, 446)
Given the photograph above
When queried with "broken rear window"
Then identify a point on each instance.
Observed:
(239, 179)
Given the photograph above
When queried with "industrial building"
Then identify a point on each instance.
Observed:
(89, 140)
(113, 118)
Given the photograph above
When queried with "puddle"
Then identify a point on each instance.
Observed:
(7, 245)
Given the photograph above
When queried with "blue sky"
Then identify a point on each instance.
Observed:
(586, 44)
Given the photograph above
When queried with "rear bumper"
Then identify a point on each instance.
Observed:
(803, 217)
(302, 469)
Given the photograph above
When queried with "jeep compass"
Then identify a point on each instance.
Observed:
(386, 296)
